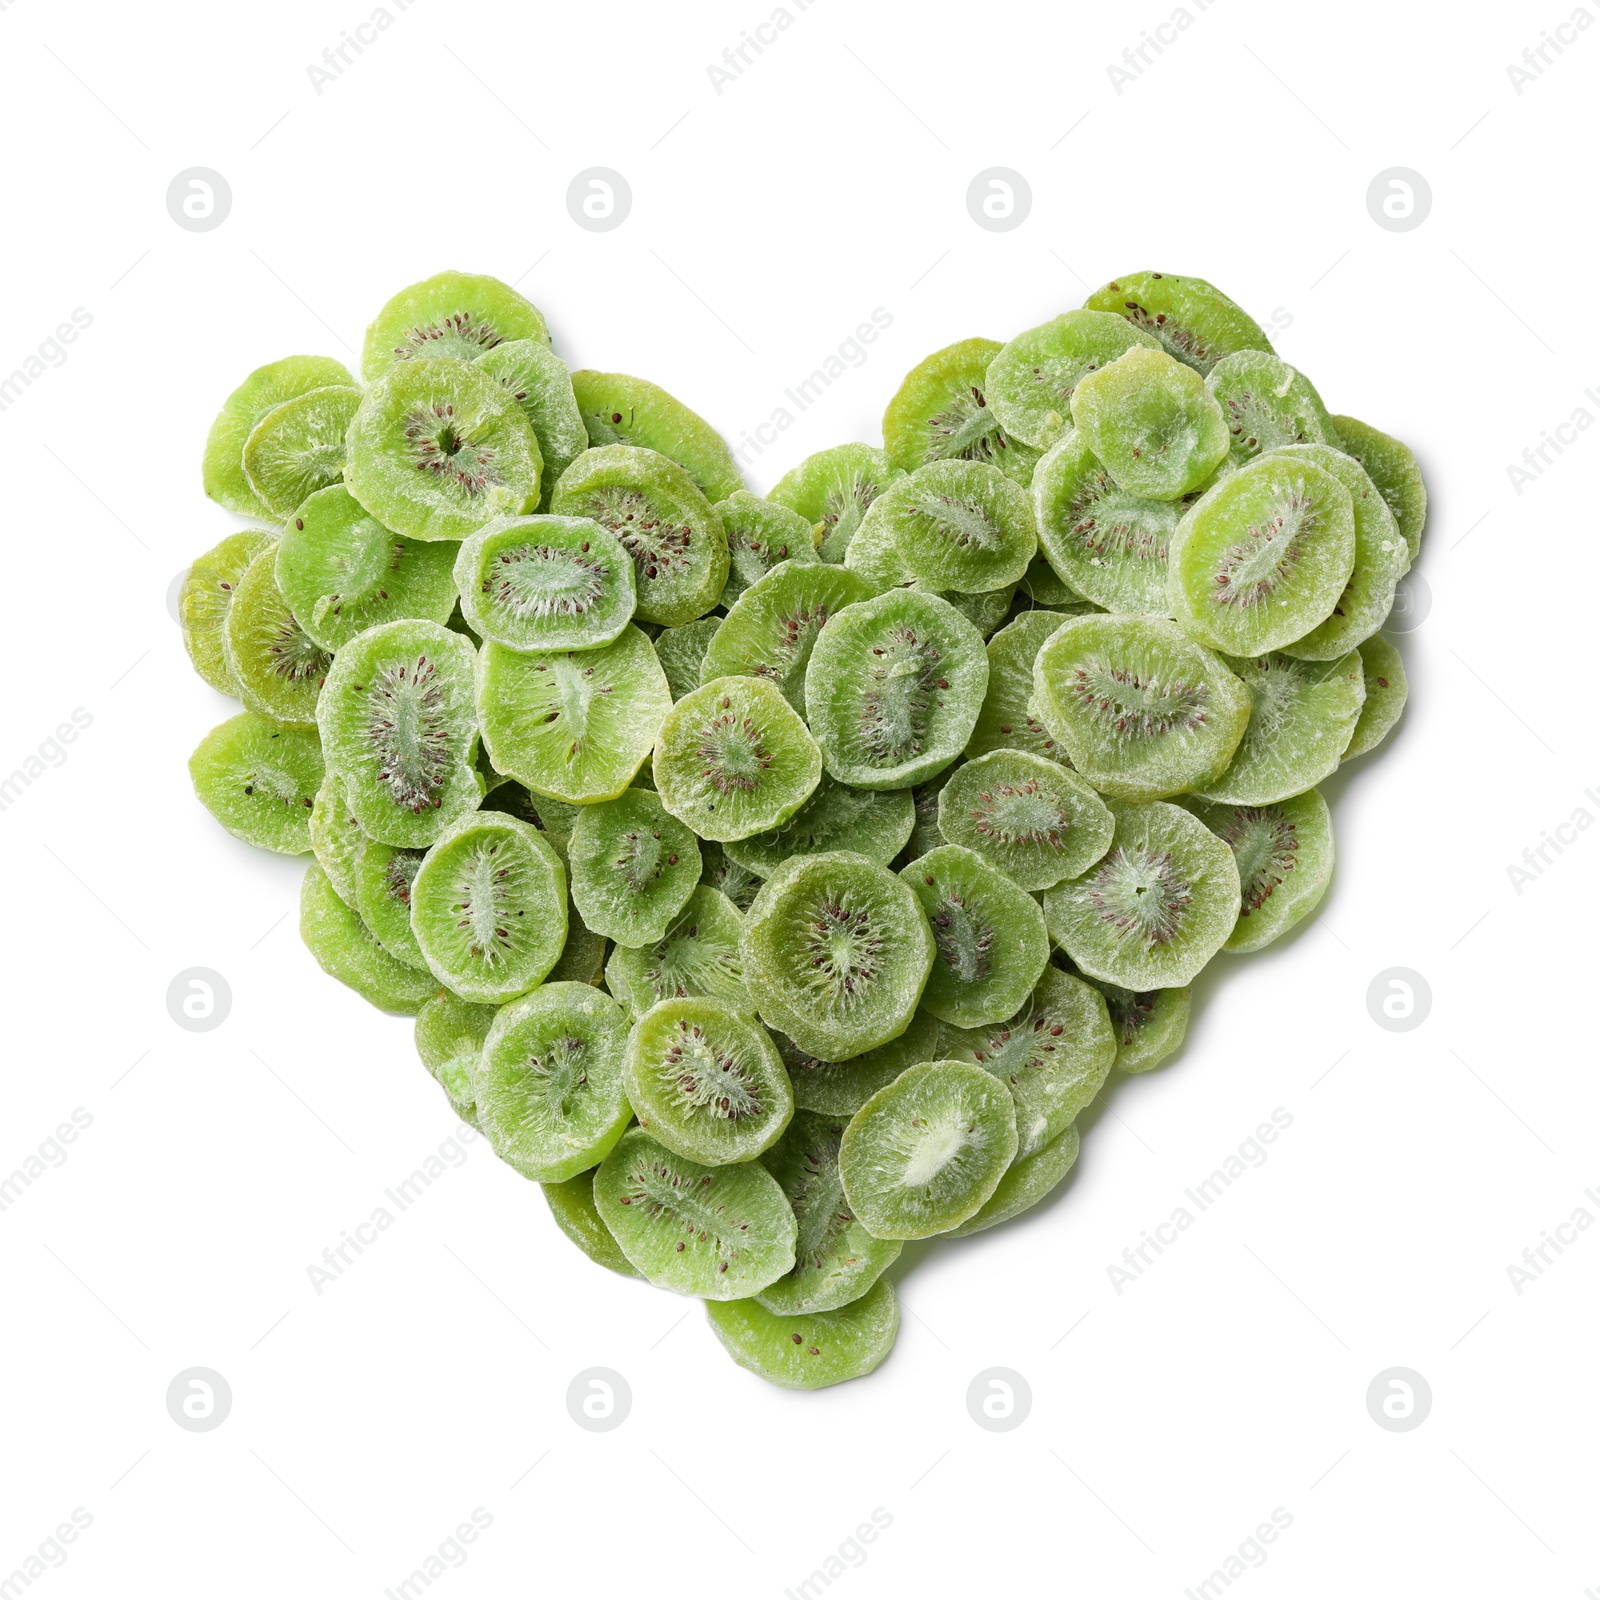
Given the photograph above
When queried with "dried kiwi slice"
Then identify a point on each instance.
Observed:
(813, 1349)
(399, 729)
(1041, 586)
(548, 1083)
(618, 409)
(925, 1153)
(772, 628)
(574, 725)
(489, 908)
(338, 939)
(449, 1037)
(925, 834)
(1149, 1024)
(1193, 320)
(836, 1259)
(960, 525)
(836, 954)
(1004, 721)
(278, 667)
(682, 653)
(1053, 1055)
(841, 1088)
(573, 1209)
(733, 759)
(1141, 710)
(260, 780)
(941, 413)
(633, 867)
(832, 490)
(1393, 468)
(697, 958)
(989, 936)
(721, 1233)
(678, 544)
(1028, 1180)
(545, 583)
(383, 877)
(1155, 908)
(452, 315)
(867, 823)
(1034, 820)
(206, 598)
(298, 447)
(761, 534)
(1268, 404)
(537, 379)
(894, 688)
(336, 837)
(1385, 676)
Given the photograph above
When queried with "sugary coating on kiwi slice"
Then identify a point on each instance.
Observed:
(894, 688)
(336, 837)
(654, 507)
(222, 469)
(1153, 422)
(1030, 381)
(961, 526)
(341, 571)
(1302, 716)
(548, 1083)
(573, 1208)
(722, 1233)
(1381, 560)
(841, 1088)
(940, 412)
(836, 1259)
(1268, 404)
(489, 907)
(761, 534)
(278, 667)
(772, 628)
(832, 490)
(260, 780)
(206, 598)
(814, 1349)
(721, 872)
(1193, 320)
(874, 552)
(545, 583)
(1053, 1054)
(574, 725)
(990, 943)
(734, 759)
(299, 447)
(1393, 468)
(1004, 721)
(925, 1152)
(697, 958)
(453, 315)
(836, 954)
(1385, 676)
(338, 939)
(1263, 556)
(1142, 711)
(383, 879)
(1027, 1181)
(537, 379)
(1149, 1024)
(618, 409)
(633, 867)
(449, 1036)
(1284, 853)
(400, 729)
(1156, 907)
(1033, 819)
(874, 824)
(682, 653)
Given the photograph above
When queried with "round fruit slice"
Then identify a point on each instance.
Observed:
(733, 759)
(682, 653)
(452, 315)
(832, 490)
(343, 948)
(1284, 853)
(941, 413)
(574, 725)
(1385, 676)
(633, 867)
(618, 409)
(988, 933)
(812, 1350)
(1156, 908)
(1263, 557)
(707, 1082)
(894, 688)
(1054, 1055)
(1141, 710)
(1268, 404)
(298, 447)
(1194, 321)
(1034, 820)
(1004, 722)
(573, 1208)
(206, 598)
(1030, 381)
(1149, 1024)
(399, 728)
(678, 544)
(697, 958)
(841, 1088)
(260, 781)
(449, 1037)
(960, 525)
(537, 379)
(721, 1233)
(278, 667)
(489, 908)
(1393, 468)
(836, 954)
(438, 449)
(1302, 716)
(874, 825)
(548, 1083)
(1028, 1180)
(336, 837)
(761, 534)
(383, 878)
(925, 1153)
(545, 583)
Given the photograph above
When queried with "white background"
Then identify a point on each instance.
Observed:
(768, 221)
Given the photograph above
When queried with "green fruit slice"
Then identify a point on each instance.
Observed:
(618, 409)
(548, 1083)
(343, 948)
(841, 1088)
(537, 379)
(453, 315)
(925, 1153)
(874, 825)
(1193, 321)
(925, 834)
(761, 534)
(1040, 586)
(1385, 676)
(573, 1208)
(206, 598)
(721, 1233)
(682, 653)
(960, 526)
(260, 780)
(813, 1350)
(941, 413)
(832, 490)
(383, 879)
(299, 447)
(1393, 468)
(697, 958)
(278, 667)
(721, 872)
(336, 838)
(1028, 1180)
(1268, 404)
(449, 1037)
(633, 867)
(1004, 721)
(1149, 1024)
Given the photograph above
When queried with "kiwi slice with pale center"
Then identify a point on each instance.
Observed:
(1191, 319)
(260, 780)
(206, 598)
(633, 867)
(697, 957)
(832, 491)
(278, 667)
(299, 447)
(457, 316)
(1027, 1181)
(941, 413)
